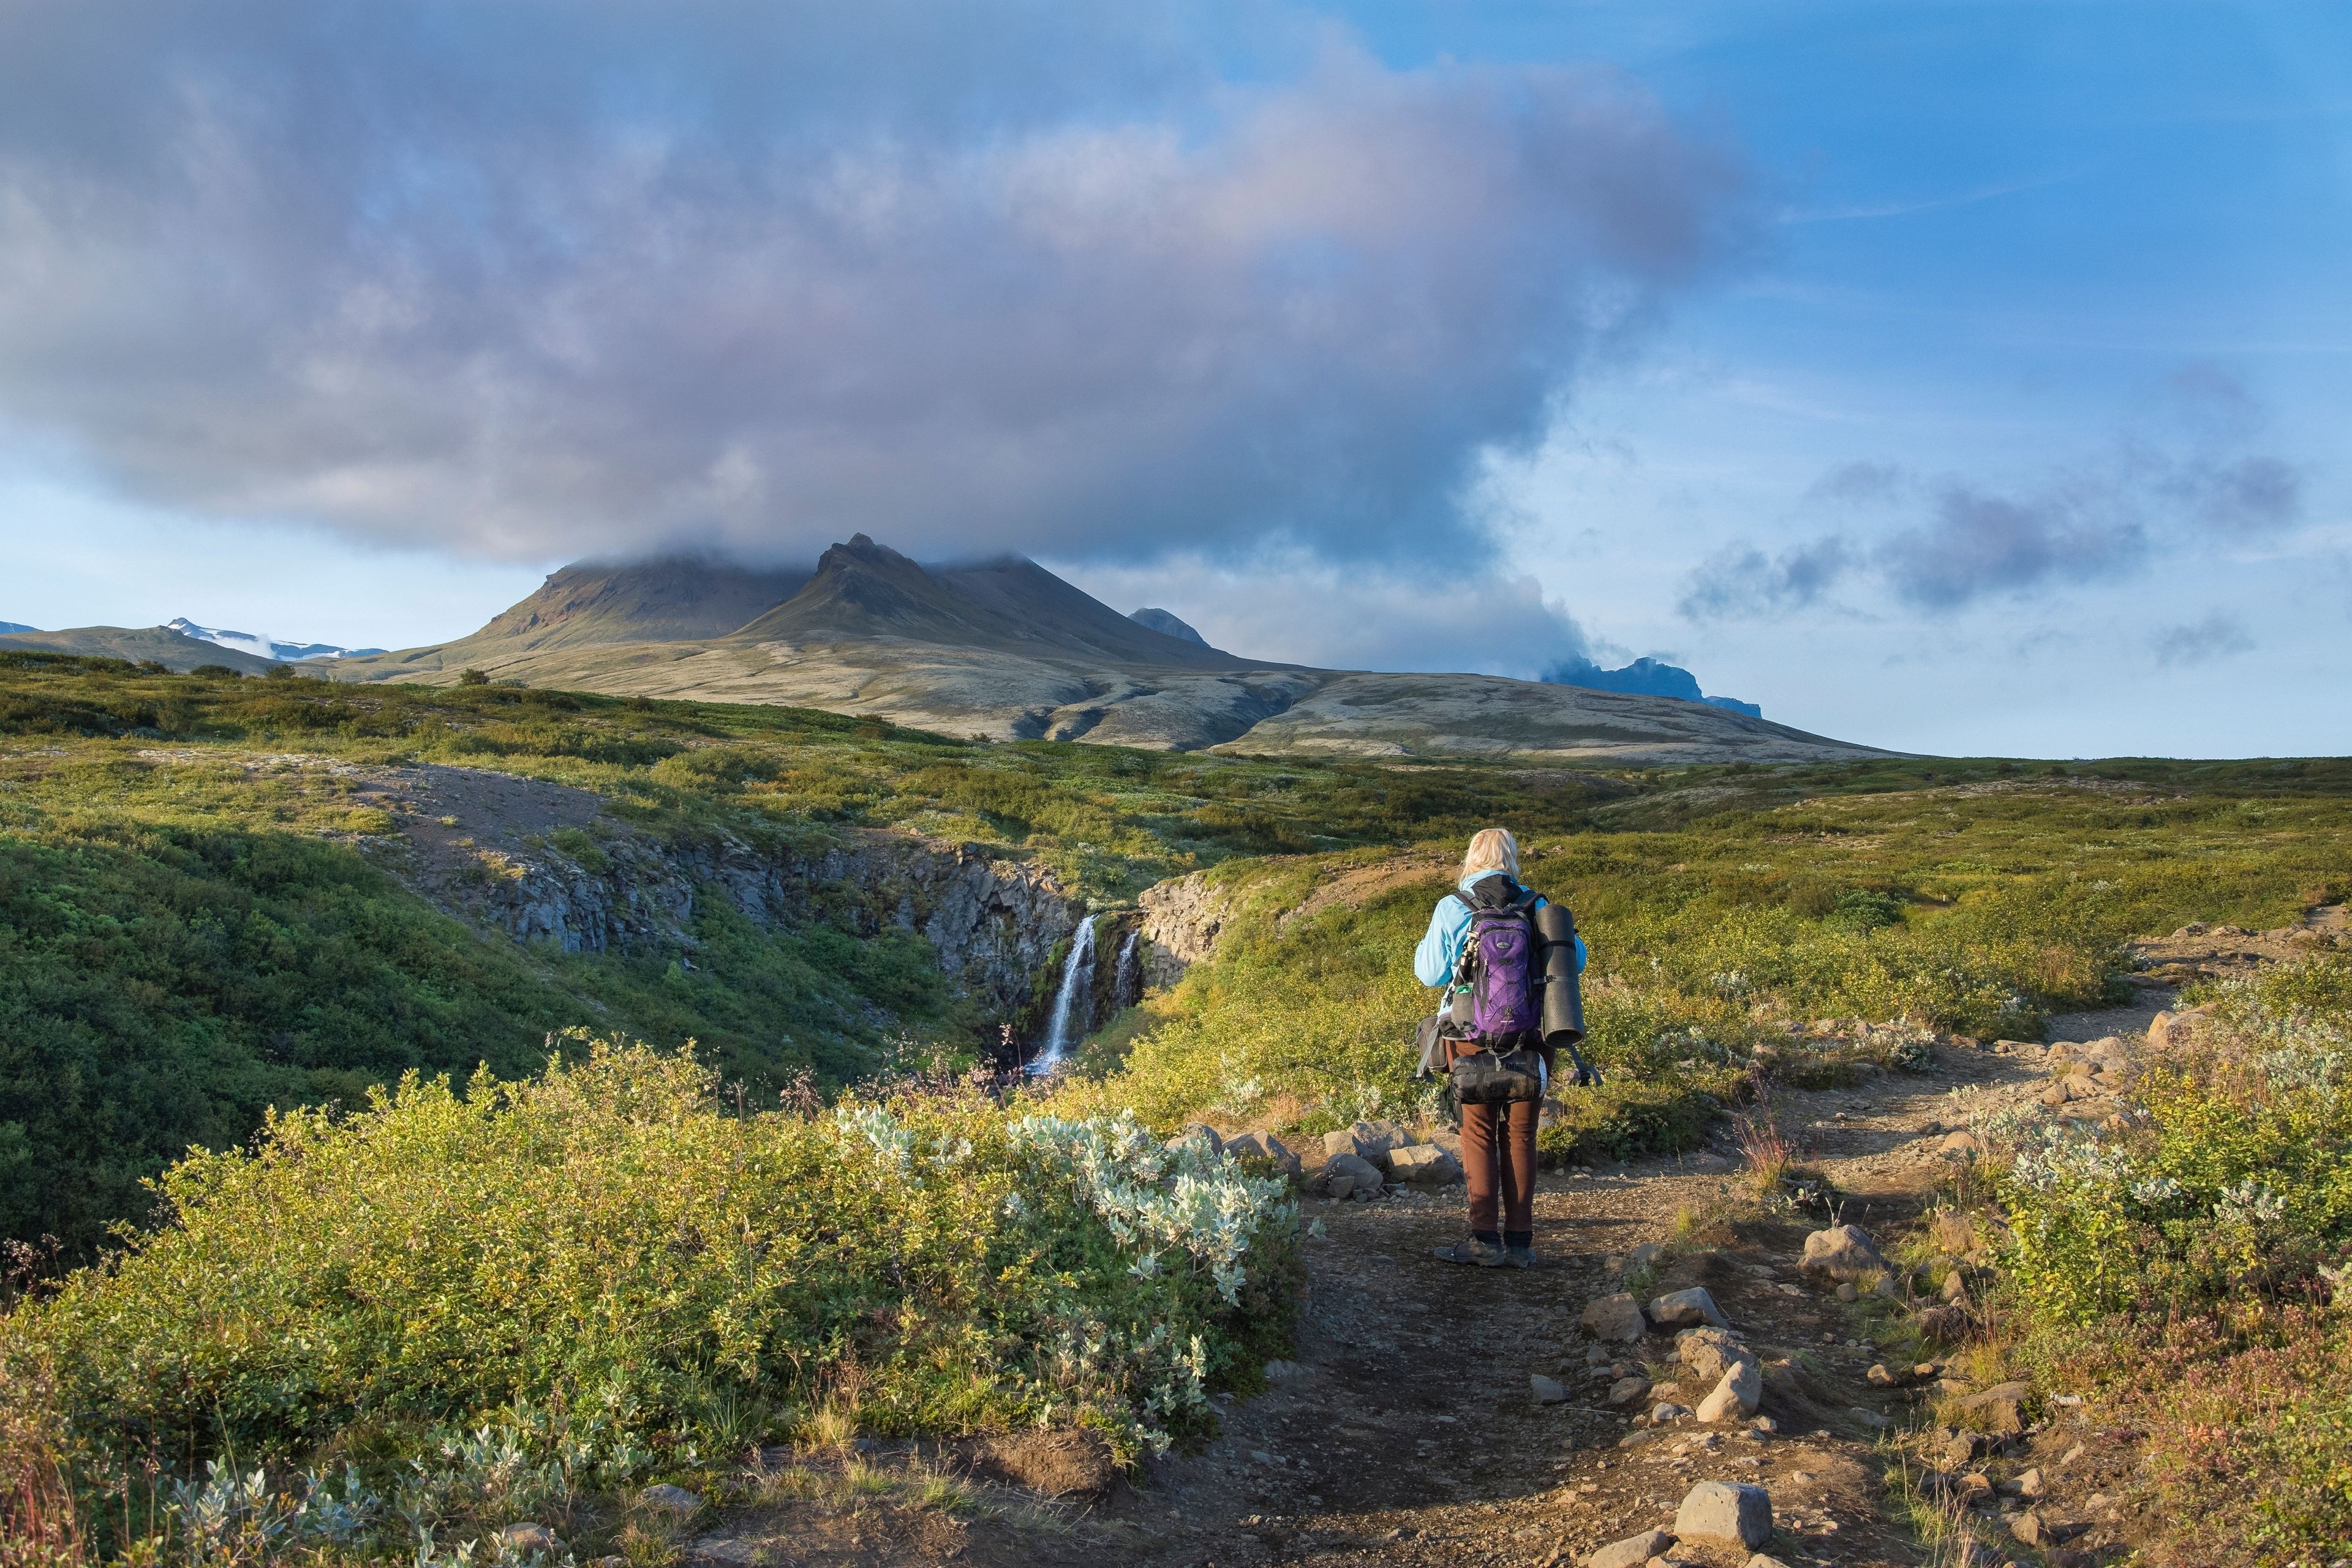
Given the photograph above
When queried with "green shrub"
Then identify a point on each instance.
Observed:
(2236, 1182)
(609, 1248)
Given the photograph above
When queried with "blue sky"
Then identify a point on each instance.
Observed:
(1958, 378)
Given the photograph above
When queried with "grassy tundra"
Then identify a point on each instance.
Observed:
(376, 1285)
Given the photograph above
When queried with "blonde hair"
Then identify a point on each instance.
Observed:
(1492, 849)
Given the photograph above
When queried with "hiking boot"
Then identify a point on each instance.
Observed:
(1471, 1250)
(1519, 1255)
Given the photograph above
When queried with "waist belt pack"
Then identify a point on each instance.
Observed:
(1493, 1075)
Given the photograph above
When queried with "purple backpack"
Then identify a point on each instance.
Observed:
(1498, 961)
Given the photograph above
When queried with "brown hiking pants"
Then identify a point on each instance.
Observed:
(1499, 1157)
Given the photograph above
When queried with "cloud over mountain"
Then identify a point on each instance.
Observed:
(525, 282)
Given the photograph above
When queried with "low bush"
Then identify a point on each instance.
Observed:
(609, 1262)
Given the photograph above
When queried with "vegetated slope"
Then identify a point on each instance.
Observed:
(140, 645)
(1004, 649)
(616, 1269)
(1972, 906)
(207, 908)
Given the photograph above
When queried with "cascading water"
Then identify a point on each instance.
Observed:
(1124, 990)
(1077, 980)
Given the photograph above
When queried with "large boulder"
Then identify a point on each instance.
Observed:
(1694, 1305)
(1617, 1316)
(1843, 1252)
(1726, 1511)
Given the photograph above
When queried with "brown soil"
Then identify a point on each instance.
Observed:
(1408, 1434)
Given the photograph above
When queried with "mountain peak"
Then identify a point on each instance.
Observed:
(1167, 624)
(669, 599)
(1007, 602)
(263, 646)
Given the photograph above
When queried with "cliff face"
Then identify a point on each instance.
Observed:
(542, 862)
(992, 923)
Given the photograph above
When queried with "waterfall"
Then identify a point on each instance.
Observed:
(1126, 989)
(1077, 980)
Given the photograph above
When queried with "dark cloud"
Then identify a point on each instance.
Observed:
(529, 280)
(1956, 541)
(1743, 581)
(1976, 543)
(2218, 636)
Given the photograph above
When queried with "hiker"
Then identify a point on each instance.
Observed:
(1486, 947)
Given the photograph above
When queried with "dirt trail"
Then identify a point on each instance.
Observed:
(1408, 1434)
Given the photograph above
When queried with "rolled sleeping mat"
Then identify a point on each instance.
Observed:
(1563, 994)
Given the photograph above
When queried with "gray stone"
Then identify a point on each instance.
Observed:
(1665, 1410)
(1264, 1145)
(664, 1498)
(528, 1540)
(1710, 1352)
(1202, 1136)
(1998, 1410)
(1371, 1140)
(1631, 1552)
(1843, 1252)
(1694, 1305)
(1738, 1394)
(1423, 1163)
(1547, 1390)
(1645, 1256)
(1617, 1316)
(1626, 1390)
(729, 1550)
(1724, 1511)
(1345, 1175)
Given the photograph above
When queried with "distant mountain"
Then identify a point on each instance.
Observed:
(1003, 649)
(8, 627)
(1166, 624)
(262, 646)
(676, 598)
(864, 590)
(1644, 677)
(162, 645)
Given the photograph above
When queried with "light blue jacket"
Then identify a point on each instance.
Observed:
(1449, 923)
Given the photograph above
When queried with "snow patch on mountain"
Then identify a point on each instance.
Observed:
(262, 646)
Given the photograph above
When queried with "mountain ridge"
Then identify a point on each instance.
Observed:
(1003, 649)
(159, 645)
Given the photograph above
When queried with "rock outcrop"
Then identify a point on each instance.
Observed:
(543, 863)
(1182, 919)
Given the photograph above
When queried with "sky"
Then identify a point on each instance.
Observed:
(1956, 378)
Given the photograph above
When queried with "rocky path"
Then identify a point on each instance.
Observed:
(1407, 1429)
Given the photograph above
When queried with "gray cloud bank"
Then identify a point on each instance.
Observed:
(1953, 540)
(527, 280)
